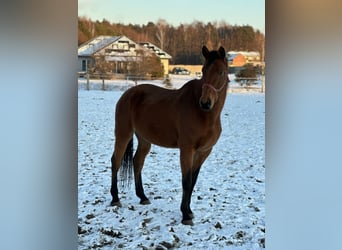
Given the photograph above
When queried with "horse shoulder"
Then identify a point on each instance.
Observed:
(211, 134)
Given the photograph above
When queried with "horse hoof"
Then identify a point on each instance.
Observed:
(187, 222)
(145, 202)
(116, 204)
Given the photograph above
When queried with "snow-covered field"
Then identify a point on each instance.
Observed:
(228, 200)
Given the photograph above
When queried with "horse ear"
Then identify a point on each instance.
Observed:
(205, 51)
(222, 52)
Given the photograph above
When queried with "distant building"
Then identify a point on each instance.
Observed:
(118, 50)
(240, 58)
(163, 56)
(236, 59)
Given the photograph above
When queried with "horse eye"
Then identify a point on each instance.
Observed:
(221, 73)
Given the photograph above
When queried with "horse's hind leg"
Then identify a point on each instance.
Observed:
(116, 160)
(138, 162)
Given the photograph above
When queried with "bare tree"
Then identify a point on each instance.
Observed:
(161, 32)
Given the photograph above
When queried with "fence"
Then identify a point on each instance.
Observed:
(248, 84)
(94, 80)
(123, 82)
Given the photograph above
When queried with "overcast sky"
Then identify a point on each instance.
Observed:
(175, 12)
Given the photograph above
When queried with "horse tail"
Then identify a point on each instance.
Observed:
(126, 171)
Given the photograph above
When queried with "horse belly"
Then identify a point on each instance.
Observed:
(155, 116)
(158, 133)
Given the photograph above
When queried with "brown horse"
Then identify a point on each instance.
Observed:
(187, 118)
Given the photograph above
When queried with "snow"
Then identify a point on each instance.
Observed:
(228, 200)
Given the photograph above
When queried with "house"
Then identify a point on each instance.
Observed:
(163, 56)
(240, 58)
(118, 51)
(236, 59)
(251, 56)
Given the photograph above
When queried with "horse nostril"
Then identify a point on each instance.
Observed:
(206, 105)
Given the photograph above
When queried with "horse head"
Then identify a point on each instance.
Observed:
(215, 77)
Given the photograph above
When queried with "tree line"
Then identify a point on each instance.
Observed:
(183, 42)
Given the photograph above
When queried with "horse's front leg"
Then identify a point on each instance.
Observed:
(186, 158)
(189, 178)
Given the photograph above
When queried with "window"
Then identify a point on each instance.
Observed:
(84, 65)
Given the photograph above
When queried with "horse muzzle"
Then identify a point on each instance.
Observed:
(206, 105)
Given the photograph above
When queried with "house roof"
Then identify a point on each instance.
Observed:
(159, 52)
(231, 57)
(244, 53)
(96, 44)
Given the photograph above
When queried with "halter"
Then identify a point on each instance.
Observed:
(215, 89)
